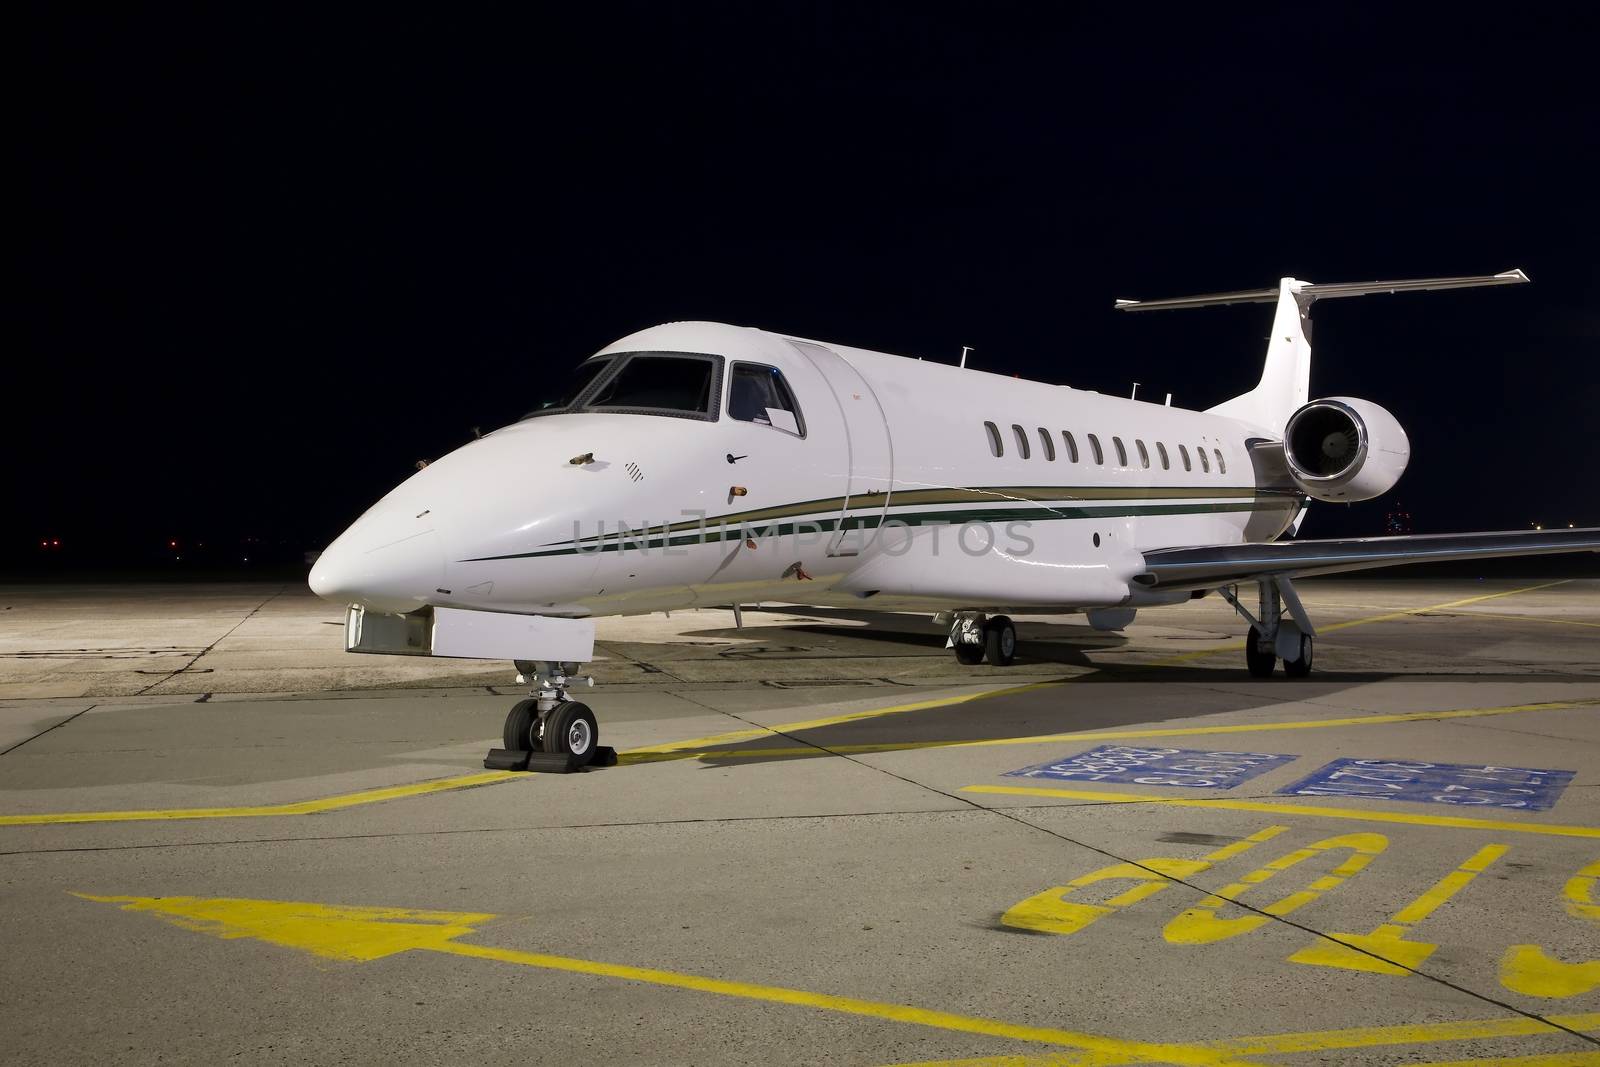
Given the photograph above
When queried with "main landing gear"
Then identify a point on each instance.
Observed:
(979, 638)
(549, 731)
(1278, 633)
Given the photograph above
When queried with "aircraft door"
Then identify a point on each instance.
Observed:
(867, 444)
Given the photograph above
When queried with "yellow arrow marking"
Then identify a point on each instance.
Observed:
(330, 931)
(363, 933)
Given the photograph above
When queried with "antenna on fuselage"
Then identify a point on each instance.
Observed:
(964, 350)
(1135, 394)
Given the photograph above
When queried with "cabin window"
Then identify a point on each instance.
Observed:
(759, 394)
(1222, 468)
(1205, 464)
(997, 446)
(1072, 446)
(1183, 451)
(1094, 446)
(1161, 450)
(1122, 451)
(1049, 445)
(1022, 441)
(1144, 454)
(662, 383)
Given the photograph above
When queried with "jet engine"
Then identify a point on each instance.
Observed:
(1344, 448)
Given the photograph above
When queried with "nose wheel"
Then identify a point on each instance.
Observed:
(570, 730)
(548, 731)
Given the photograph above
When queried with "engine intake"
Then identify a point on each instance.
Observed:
(1344, 448)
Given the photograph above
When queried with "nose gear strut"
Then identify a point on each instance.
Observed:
(549, 731)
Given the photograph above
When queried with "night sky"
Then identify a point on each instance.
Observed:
(265, 261)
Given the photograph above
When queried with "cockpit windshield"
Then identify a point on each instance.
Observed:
(560, 397)
(660, 382)
(684, 384)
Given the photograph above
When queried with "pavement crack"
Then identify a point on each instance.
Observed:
(47, 729)
(631, 824)
(199, 655)
(1528, 733)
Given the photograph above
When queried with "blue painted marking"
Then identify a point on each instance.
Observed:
(1487, 785)
(1158, 766)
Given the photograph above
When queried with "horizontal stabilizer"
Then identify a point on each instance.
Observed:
(1210, 567)
(1308, 291)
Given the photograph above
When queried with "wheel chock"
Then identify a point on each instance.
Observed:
(552, 762)
(506, 759)
(511, 759)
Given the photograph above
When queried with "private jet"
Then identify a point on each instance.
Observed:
(698, 463)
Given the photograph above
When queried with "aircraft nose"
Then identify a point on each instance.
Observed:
(395, 573)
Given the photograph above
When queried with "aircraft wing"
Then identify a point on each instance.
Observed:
(1208, 567)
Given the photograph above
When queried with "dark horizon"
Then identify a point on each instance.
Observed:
(268, 264)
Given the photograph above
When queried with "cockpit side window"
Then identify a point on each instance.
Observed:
(758, 393)
(662, 383)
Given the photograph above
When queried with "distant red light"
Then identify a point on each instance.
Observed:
(57, 544)
(172, 544)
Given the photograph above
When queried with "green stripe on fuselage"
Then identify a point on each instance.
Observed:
(726, 528)
(983, 494)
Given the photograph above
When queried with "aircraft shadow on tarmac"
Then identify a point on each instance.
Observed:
(1050, 708)
(1116, 695)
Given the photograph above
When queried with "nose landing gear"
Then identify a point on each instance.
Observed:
(548, 731)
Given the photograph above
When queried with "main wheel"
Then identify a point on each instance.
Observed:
(999, 641)
(521, 722)
(1259, 662)
(571, 729)
(1299, 668)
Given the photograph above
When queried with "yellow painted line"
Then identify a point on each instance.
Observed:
(1323, 1041)
(1389, 616)
(1111, 735)
(691, 747)
(1453, 821)
(943, 1020)
(361, 934)
(298, 807)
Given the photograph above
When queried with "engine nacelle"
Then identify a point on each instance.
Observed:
(1344, 448)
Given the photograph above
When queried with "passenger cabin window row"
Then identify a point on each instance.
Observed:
(1047, 449)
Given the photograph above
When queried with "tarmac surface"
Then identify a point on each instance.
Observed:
(223, 839)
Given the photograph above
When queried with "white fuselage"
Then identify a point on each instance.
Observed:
(893, 449)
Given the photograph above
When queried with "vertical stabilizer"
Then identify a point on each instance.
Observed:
(1285, 383)
(1286, 377)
